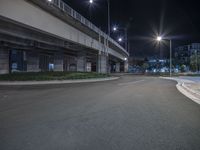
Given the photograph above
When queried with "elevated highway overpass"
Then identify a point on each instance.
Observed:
(38, 35)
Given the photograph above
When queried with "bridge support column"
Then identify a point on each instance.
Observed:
(118, 67)
(102, 63)
(81, 62)
(126, 66)
(33, 62)
(4, 61)
(58, 62)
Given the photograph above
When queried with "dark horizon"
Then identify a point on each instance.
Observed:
(179, 20)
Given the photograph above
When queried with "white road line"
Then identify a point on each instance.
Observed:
(130, 83)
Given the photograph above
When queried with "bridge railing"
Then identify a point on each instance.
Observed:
(67, 9)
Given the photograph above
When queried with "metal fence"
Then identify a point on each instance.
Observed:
(67, 9)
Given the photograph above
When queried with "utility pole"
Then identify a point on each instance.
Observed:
(170, 58)
(196, 61)
(108, 1)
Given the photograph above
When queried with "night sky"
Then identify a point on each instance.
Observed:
(176, 19)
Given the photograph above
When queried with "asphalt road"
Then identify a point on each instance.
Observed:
(132, 113)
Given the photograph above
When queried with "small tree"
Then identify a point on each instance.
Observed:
(145, 66)
(183, 68)
(195, 62)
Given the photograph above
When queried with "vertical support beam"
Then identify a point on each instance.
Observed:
(4, 61)
(102, 63)
(170, 58)
(33, 62)
(108, 2)
(126, 66)
(81, 62)
(58, 62)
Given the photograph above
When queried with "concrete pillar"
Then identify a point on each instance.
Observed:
(32, 62)
(4, 61)
(81, 62)
(126, 66)
(58, 62)
(117, 67)
(102, 63)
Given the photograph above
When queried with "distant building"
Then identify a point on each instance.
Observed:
(183, 53)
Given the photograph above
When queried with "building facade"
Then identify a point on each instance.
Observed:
(183, 53)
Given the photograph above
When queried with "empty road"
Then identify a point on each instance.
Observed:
(132, 113)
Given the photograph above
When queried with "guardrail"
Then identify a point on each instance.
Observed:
(67, 9)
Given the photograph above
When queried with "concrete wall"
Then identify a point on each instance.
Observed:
(4, 61)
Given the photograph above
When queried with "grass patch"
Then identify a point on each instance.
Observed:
(46, 76)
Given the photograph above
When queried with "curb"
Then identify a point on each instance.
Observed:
(187, 93)
(19, 83)
(185, 90)
(192, 91)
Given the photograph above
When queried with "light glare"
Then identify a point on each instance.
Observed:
(114, 28)
(120, 39)
(159, 38)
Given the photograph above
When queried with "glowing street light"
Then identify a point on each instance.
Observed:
(49, 0)
(159, 38)
(120, 39)
(114, 28)
(108, 5)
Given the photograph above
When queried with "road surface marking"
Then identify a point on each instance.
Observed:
(129, 83)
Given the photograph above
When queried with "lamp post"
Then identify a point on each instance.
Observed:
(90, 9)
(159, 39)
(108, 5)
(108, 2)
(126, 36)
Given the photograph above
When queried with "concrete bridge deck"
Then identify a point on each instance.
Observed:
(41, 36)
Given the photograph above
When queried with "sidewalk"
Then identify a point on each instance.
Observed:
(19, 83)
(189, 86)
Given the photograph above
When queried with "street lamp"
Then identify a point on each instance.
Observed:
(126, 35)
(120, 39)
(114, 28)
(108, 2)
(159, 39)
(108, 5)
